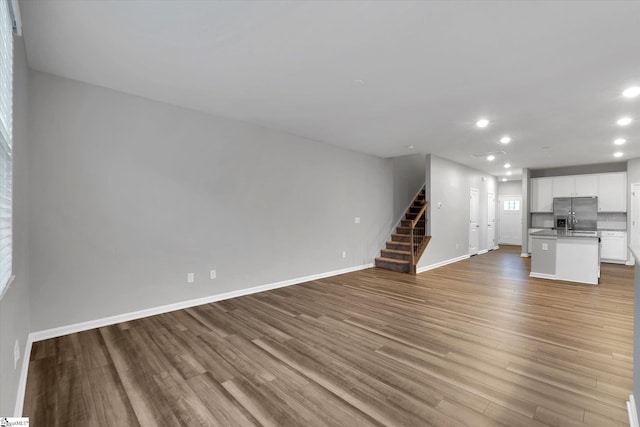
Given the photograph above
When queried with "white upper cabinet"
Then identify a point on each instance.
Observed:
(542, 195)
(612, 192)
(586, 185)
(610, 188)
(575, 186)
(563, 186)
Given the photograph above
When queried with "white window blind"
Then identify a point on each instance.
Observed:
(6, 137)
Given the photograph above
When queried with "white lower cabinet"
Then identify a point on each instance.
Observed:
(613, 246)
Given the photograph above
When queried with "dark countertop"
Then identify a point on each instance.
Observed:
(599, 229)
(562, 233)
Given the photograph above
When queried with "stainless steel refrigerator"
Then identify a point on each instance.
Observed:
(575, 213)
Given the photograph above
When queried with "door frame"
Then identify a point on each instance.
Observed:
(634, 220)
(495, 221)
(499, 209)
(477, 228)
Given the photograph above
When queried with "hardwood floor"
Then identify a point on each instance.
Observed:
(475, 343)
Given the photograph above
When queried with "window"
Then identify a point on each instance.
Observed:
(512, 205)
(6, 138)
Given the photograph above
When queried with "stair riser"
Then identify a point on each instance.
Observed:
(401, 238)
(404, 257)
(398, 246)
(406, 223)
(403, 230)
(410, 216)
(402, 268)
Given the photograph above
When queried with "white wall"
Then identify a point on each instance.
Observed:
(129, 195)
(449, 183)
(15, 312)
(633, 177)
(408, 178)
(633, 171)
(510, 188)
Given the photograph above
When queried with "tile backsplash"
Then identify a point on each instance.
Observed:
(612, 221)
(541, 220)
(606, 221)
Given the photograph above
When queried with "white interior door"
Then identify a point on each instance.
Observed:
(491, 224)
(510, 220)
(634, 235)
(474, 221)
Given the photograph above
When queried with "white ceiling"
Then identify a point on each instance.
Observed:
(371, 76)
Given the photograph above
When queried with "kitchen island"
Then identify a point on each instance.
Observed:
(573, 256)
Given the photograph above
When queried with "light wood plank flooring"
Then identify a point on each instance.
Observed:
(475, 343)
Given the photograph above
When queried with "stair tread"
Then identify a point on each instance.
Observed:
(401, 235)
(392, 260)
(397, 251)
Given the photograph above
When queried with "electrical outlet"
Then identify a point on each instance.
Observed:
(191, 277)
(357, 220)
(16, 354)
(212, 274)
(344, 254)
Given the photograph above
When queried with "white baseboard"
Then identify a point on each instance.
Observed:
(543, 276)
(613, 261)
(483, 251)
(442, 263)
(98, 323)
(22, 382)
(496, 247)
(633, 412)
(525, 255)
(630, 262)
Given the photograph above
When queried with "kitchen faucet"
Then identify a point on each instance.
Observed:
(572, 220)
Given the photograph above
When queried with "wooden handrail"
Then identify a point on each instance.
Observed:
(418, 242)
(420, 212)
(413, 261)
(423, 188)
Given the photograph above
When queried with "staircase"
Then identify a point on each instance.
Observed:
(409, 241)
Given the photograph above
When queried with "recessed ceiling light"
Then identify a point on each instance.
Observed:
(508, 173)
(358, 82)
(623, 121)
(505, 140)
(482, 123)
(619, 141)
(410, 147)
(491, 157)
(631, 92)
(504, 179)
(618, 154)
(507, 165)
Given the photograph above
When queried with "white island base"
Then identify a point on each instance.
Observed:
(570, 256)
